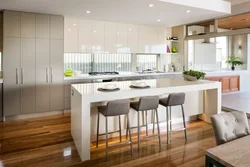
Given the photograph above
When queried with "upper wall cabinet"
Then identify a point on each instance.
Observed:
(84, 40)
(106, 37)
(42, 26)
(28, 25)
(147, 39)
(71, 35)
(97, 37)
(160, 44)
(132, 37)
(12, 24)
(122, 38)
(56, 27)
(110, 37)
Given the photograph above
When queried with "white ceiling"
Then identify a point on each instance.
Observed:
(126, 11)
(236, 2)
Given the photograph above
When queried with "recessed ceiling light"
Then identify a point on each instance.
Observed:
(129, 29)
(158, 20)
(88, 12)
(118, 33)
(151, 5)
(94, 30)
(188, 11)
(74, 24)
(69, 29)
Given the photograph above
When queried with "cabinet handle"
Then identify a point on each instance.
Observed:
(72, 92)
(51, 70)
(17, 76)
(47, 76)
(21, 75)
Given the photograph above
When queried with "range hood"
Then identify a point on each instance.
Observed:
(208, 29)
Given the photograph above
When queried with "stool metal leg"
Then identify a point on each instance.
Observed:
(153, 121)
(127, 130)
(184, 123)
(146, 123)
(120, 129)
(138, 117)
(158, 127)
(106, 120)
(130, 137)
(168, 141)
(170, 119)
(97, 133)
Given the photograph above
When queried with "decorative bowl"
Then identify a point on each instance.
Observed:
(189, 78)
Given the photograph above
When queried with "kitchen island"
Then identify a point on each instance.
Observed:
(203, 99)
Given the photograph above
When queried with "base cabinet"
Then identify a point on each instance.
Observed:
(228, 83)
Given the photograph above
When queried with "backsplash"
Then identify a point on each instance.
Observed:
(145, 62)
(99, 62)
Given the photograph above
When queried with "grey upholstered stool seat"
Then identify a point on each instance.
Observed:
(230, 126)
(174, 99)
(114, 108)
(145, 104)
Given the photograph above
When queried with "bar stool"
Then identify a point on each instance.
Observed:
(174, 99)
(145, 104)
(112, 109)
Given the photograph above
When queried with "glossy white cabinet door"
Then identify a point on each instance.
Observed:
(42, 26)
(144, 39)
(28, 25)
(56, 75)
(161, 40)
(42, 74)
(71, 35)
(110, 37)
(28, 75)
(147, 39)
(97, 36)
(122, 38)
(11, 68)
(132, 37)
(56, 27)
(85, 40)
(12, 24)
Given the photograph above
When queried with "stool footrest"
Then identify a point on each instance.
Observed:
(144, 137)
(109, 133)
(177, 130)
(119, 144)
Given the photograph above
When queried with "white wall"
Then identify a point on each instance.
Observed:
(241, 40)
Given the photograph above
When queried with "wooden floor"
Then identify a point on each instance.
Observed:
(47, 141)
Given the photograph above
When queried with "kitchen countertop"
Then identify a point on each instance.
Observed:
(135, 74)
(120, 75)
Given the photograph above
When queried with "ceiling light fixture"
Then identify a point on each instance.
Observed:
(158, 20)
(129, 29)
(88, 12)
(151, 5)
(69, 29)
(188, 11)
(74, 24)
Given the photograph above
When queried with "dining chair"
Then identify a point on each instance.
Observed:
(230, 126)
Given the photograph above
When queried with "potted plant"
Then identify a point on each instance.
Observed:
(193, 75)
(234, 61)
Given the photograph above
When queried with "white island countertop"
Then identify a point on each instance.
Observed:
(157, 87)
(83, 96)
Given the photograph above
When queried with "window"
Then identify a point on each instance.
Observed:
(145, 62)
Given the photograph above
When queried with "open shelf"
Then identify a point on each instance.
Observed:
(172, 41)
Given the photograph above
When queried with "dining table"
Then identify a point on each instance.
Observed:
(232, 154)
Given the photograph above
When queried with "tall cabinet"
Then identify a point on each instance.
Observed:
(32, 63)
